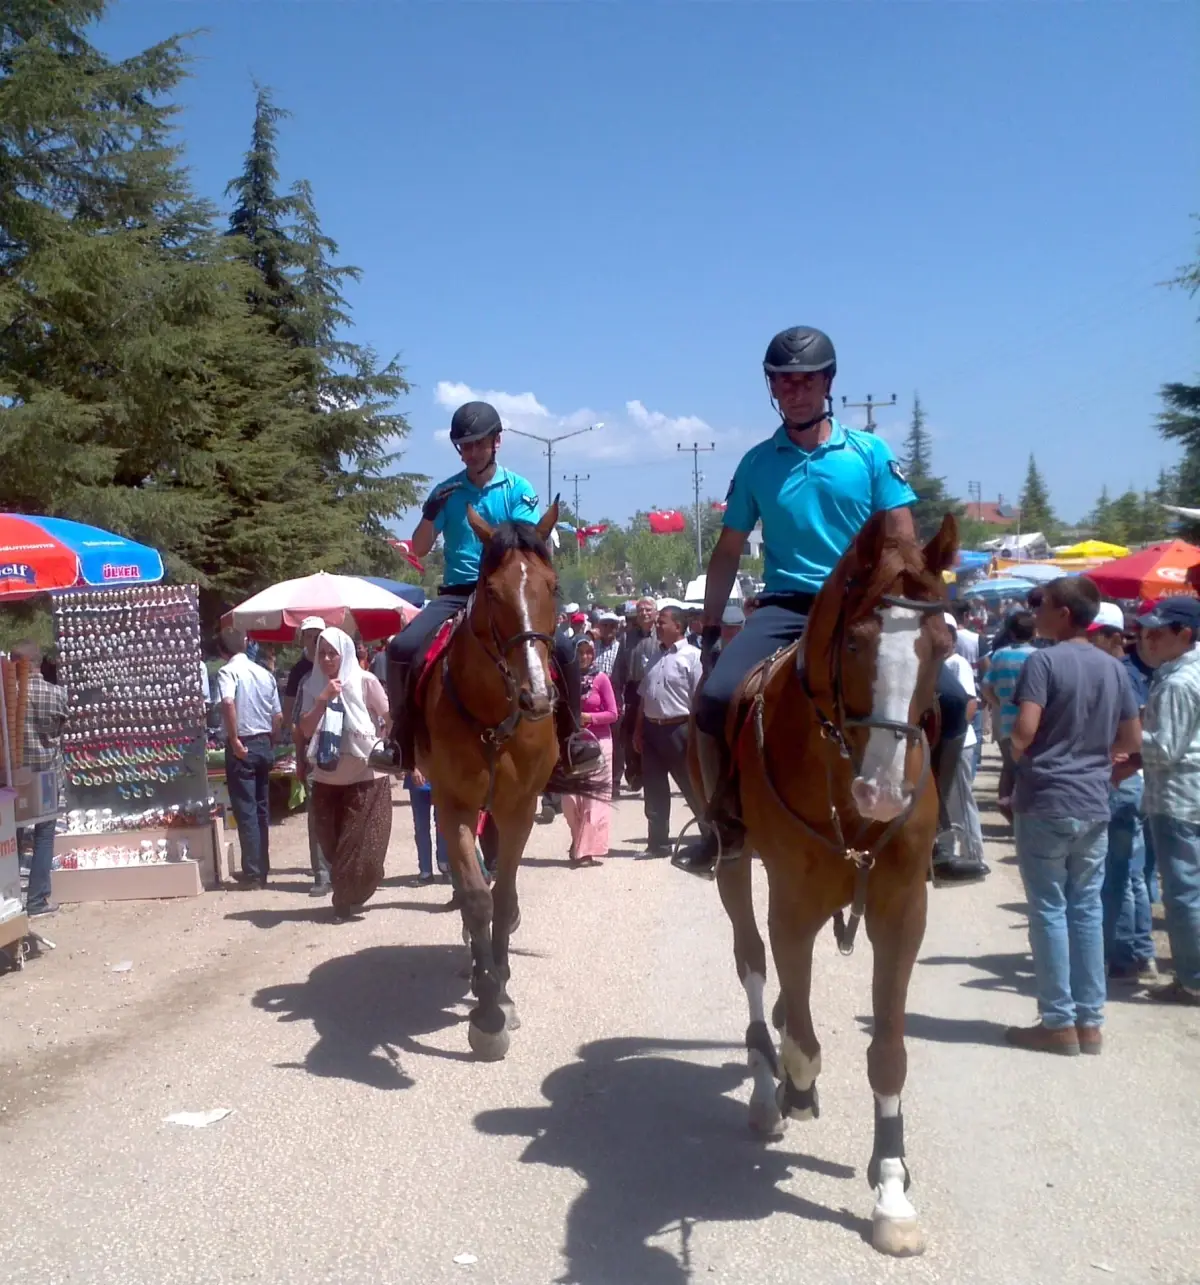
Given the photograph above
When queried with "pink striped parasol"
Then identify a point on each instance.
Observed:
(275, 614)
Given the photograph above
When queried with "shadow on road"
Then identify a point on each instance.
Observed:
(661, 1148)
(1008, 972)
(370, 1007)
(319, 911)
(945, 1030)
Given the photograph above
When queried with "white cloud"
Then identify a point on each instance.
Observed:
(633, 433)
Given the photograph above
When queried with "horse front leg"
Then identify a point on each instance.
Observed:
(513, 832)
(794, 927)
(896, 925)
(486, 1032)
(750, 959)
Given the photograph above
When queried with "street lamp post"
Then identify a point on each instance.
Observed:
(549, 443)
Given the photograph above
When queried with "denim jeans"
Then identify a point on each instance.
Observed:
(37, 896)
(976, 752)
(1127, 940)
(1177, 849)
(248, 781)
(316, 858)
(1062, 867)
(421, 801)
(1153, 892)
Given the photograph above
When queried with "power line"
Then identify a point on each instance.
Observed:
(549, 443)
(697, 478)
(870, 407)
(576, 479)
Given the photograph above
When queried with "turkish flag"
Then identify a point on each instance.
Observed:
(665, 521)
(719, 506)
(404, 549)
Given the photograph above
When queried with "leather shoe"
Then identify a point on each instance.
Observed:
(1044, 1039)
(1091, 1040)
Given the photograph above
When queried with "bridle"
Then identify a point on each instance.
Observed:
(833, 729)
(494, 736)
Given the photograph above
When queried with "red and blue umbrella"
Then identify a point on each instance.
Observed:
(41, 554)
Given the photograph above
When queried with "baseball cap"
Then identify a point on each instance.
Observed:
(950, 620)
(578, 618)
(571, 608)
(609, 616)
(311, 623)
(1110, 616)
(1172, 611)
(733, 615)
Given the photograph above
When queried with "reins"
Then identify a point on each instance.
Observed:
(834, 730)
(494, 736)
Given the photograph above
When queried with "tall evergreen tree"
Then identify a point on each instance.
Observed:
(1036, 512)
(1179, 421)
(916, 457)
(340, 398)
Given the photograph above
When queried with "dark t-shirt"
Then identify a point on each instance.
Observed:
(1084, 693)
(952, 701)
(300, 671)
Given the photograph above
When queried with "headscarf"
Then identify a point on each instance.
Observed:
(586, 678)
(358, 727)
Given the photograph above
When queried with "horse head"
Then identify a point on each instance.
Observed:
(873, 646)
(516, 591)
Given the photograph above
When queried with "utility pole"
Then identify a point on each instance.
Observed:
(549, 443)
(870, 407)
(975, 492)
(577, 478)
(697, 477)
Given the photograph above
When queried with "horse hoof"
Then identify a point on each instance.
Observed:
(899, 1237)
(488, 1048)
(512, 1020)
(788, 1109)
(765, 1120)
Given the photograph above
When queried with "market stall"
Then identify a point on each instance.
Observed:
(1160, 571)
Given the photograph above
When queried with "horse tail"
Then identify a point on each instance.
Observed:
(597, 786)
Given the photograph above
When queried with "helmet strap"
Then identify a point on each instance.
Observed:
(827, 413)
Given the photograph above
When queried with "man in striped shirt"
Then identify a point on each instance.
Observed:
(999, 683)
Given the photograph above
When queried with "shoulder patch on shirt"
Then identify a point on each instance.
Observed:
(897, 472)
(530, 501)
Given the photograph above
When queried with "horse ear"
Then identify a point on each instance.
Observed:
(867, 542)
(549, 521)
(941, 551)
(479, 526)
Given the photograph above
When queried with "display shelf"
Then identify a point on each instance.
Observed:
(202, 841)
(128, 883)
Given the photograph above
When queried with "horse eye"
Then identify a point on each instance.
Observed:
(852, 648)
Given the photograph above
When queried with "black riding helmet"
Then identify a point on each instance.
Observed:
(800, 350)
(474, 421)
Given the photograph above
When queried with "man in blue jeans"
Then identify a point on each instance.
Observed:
(250, 707)
(45, 717)
(1171, 756)
(1128, 945)
(1076, 715)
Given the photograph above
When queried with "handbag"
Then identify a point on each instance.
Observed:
(329, 736)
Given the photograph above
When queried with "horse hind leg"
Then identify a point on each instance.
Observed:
(750, 957)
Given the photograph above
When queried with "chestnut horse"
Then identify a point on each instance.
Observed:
(491, 747)
(839, 802)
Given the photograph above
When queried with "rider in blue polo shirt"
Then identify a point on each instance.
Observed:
(497, 495)
(813, 484)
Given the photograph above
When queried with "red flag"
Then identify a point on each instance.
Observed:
(404, 549)
(719, 506)
(665, 521)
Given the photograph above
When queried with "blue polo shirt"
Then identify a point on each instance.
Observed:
(508, 497)
(812, 503)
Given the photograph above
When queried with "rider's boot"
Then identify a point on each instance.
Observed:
(397, 755)
(720, 794)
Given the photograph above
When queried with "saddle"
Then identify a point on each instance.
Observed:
(766, 679)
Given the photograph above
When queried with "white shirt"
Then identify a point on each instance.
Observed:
(254, 692)
(671, 682)
(960, 667)
(966, 644)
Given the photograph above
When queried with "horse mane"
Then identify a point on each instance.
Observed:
(512, 537)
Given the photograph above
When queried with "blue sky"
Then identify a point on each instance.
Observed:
(604, 211)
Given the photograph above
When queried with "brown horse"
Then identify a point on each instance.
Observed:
(491, 747)
(839, 802)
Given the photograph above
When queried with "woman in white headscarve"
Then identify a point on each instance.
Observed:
(351, 802)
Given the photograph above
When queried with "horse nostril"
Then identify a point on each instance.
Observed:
(525, 700)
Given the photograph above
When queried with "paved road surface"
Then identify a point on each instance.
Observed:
(367, 1148)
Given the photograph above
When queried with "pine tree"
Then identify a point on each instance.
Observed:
(338, 397)
(1036, 513)
(1101, 517)
(916, 453)
(1179, 421)
(916, 457)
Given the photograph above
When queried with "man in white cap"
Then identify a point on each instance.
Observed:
(297, 701)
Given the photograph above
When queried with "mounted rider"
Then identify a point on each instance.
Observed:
(813, 483)
(498, 495)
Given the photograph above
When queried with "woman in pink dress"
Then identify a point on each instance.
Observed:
(588, 818)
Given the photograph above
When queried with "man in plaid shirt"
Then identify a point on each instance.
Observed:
(45, 717)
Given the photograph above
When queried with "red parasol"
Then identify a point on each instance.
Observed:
(1160, 571)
